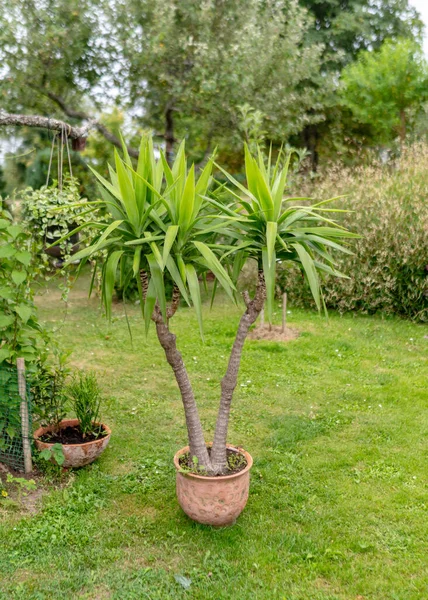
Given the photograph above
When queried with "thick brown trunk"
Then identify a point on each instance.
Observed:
(229, 381)
(197, 443)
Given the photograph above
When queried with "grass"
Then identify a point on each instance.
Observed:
(336, 422)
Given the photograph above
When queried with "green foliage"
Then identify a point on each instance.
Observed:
(84, 395)
(47, 386)
(345, 28)
(194, 66)
(386, 90)
(54, 453)
(51, 212)
(21, 334)
(268, 230)
(388, 270)
(59, 53)
(162, 222)
(24, 486)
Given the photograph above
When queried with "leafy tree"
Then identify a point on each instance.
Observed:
(182, 67)
(386, 89)
(203, 61)
(346, 27)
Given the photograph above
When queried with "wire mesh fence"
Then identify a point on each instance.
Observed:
(15, 419)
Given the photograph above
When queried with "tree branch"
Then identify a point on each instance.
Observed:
(46, 123)
(73, 132)
(76, 114)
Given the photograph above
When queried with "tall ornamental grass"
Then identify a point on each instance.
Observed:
(388, 271)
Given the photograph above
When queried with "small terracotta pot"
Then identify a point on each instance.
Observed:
(76, 455)
(216, 501)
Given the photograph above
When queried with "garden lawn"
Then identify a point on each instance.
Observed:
(336, 422)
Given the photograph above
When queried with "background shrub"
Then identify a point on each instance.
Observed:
(389, 270)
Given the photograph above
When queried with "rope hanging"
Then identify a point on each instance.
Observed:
(63, 140)
(50, 159)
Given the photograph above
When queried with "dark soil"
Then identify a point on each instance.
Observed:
(236, 462)
(71, 435)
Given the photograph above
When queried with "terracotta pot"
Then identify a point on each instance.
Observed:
(76, 455)
(214, 501)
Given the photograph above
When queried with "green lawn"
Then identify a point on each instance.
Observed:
(336, 422)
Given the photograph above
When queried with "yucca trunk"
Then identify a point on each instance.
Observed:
(229, 381)
(197, 443)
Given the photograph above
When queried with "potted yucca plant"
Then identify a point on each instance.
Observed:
(167, 225)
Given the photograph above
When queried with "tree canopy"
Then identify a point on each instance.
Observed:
(185, 68)
(386, 90)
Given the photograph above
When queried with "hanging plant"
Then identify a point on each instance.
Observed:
(51, 212)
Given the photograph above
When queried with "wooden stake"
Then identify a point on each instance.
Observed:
(25, 421)
(262, 317)
(284, 311)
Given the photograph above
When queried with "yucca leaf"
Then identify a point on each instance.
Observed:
(113, 205)
(108, 186)
(136, 261)
(216, 267)
(175, 274)
(157, 278)
(91, 285)
(310, 272)
(269, 274)
(127, 192)
(195, 294)
(76, 230)
(144, 240)
(250, 171)
(323, 267)
(279, 187)
(330, 243)
(170, 236)
(157, 255)
(149, 303)
(89, 250)
(109, 279)
(201, 187)
(181, 267)
(215, 285)
(271, 229)
(125, 150)
(328, 231)
(143, 165)
(187, 201)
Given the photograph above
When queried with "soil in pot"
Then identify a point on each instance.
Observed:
(235, 463)
(72, 435)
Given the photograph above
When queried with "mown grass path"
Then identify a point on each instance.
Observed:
(337, 424)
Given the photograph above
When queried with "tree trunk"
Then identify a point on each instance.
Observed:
(310, 141)
(169, 136)
(197, 443)
(229, 381)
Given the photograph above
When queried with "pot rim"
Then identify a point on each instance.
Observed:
(246, 455)
(62, 425)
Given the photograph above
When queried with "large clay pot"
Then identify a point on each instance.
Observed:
(216, 501)
(76, 455)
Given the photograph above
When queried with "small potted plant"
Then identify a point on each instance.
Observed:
(84, 438)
